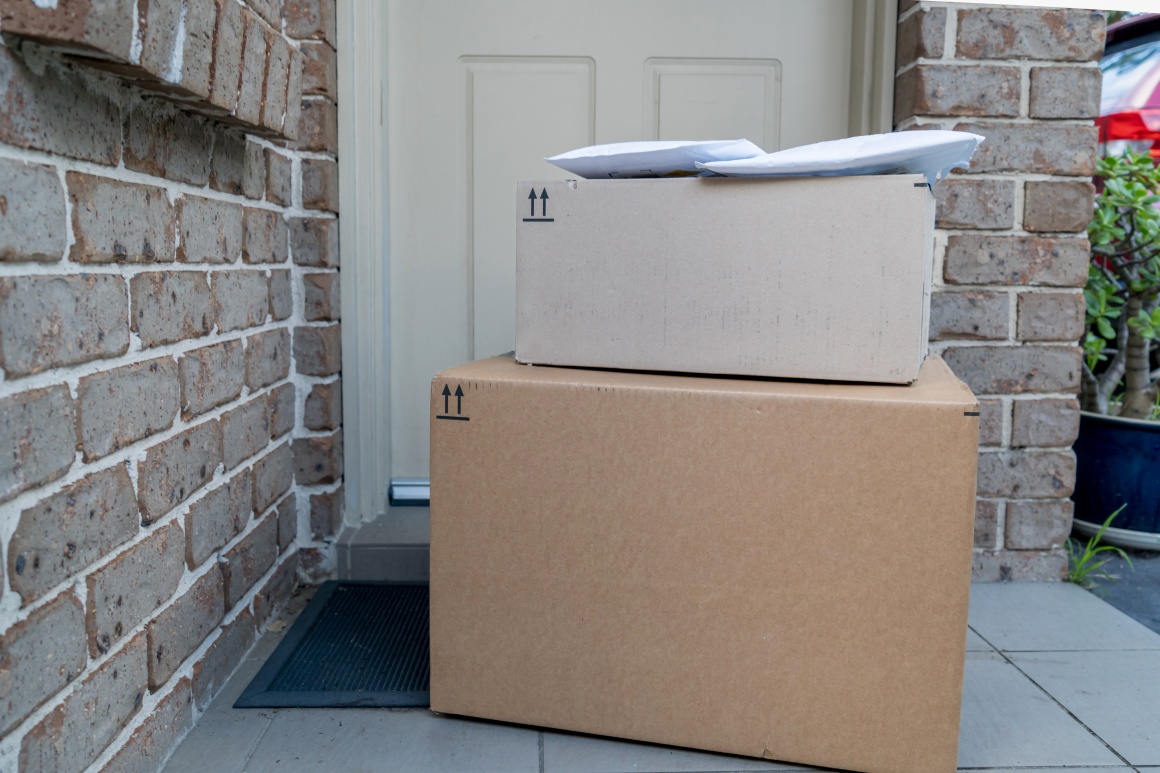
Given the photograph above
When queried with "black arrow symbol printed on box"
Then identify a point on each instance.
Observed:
(447, 393)
(543, 218)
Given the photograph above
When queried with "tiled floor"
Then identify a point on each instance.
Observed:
(1057, 681)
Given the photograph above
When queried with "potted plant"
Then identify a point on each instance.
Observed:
(1118, 449)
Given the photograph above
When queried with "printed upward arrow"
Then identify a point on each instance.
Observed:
(543, 203)
(458, 400)
(446, 396)
(532, 199)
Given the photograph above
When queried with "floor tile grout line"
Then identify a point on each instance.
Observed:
(540, 744)
(254, 746)
(1057, 702)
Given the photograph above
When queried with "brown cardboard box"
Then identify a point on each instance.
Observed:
(764, 568)
(808, 278)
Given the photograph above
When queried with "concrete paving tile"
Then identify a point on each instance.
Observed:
(374, 740)
(975, 643)
(1052, 617)
(573, 753)
(1008, 721)
(1116, 694)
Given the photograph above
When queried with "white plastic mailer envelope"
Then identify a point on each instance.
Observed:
(675, 158)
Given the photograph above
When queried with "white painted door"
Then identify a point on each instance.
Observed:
(479, 91)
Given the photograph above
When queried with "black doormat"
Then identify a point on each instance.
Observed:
(355, 644)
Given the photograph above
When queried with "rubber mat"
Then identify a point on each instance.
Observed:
(355, 644)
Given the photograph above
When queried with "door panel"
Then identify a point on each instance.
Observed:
(479, 91)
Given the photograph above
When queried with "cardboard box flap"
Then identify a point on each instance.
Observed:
(936, 384)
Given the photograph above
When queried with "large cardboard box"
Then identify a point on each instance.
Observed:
(757, 567)
(809, 278)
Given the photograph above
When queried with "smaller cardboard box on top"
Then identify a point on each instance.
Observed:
(766, 568)
(805, 277)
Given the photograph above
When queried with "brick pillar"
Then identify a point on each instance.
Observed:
(1010, 255)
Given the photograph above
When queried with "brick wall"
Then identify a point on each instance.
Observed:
(1011, 259)
(170, 412)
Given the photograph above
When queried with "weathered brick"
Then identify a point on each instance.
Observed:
(254, 53)
(175, 468)
(991, 422)
(1046, 422)
(245, 430)
(267, 357)
(323, 301)
(314, 242)
(118, 407)
(318, 350)
(1057, 206)
(122, 593)
(1042, 148)
(281, 295)
(920, 35)
(1038, 524)
(1027, 474)
(58, 114)
(948, 89)
(59, 536)
(119, 222)
(326, 514)
(317, 125)
(266, 237)
(197, 53)
(277, 79)
(273, 475)
(81, 25)
(316, 564)
(320, 184)
(71, 736)
(50, 321)
(228, 165)
(318, 459)
(986, 523)
(240, 299)
(277, 590)
(270, 10)
(976, 315)
(254, 171)
(213, 520)
(1025, 33)
(310, 19)
(1016, 260)
(1019, 566)
(1051, 316)
(279, 177)
(32, 217)
(324, 406)
(156, 737)
(211, 376)
(972, 203)
(287, 514)
(227, 60)
(162, 18)
(181, 627)
(38, 433)
(1065, 92)
(320, 70)
(222, 657)
(211, 230)
(41, 655)
(990, 370)
(282, 410)
(171, 306)
(293, 119)
(245, 563)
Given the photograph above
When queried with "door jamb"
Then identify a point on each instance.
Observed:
(364, 220)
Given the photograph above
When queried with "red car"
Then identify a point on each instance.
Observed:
(1130, 102)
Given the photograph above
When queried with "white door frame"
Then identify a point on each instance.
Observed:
(364, 220)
